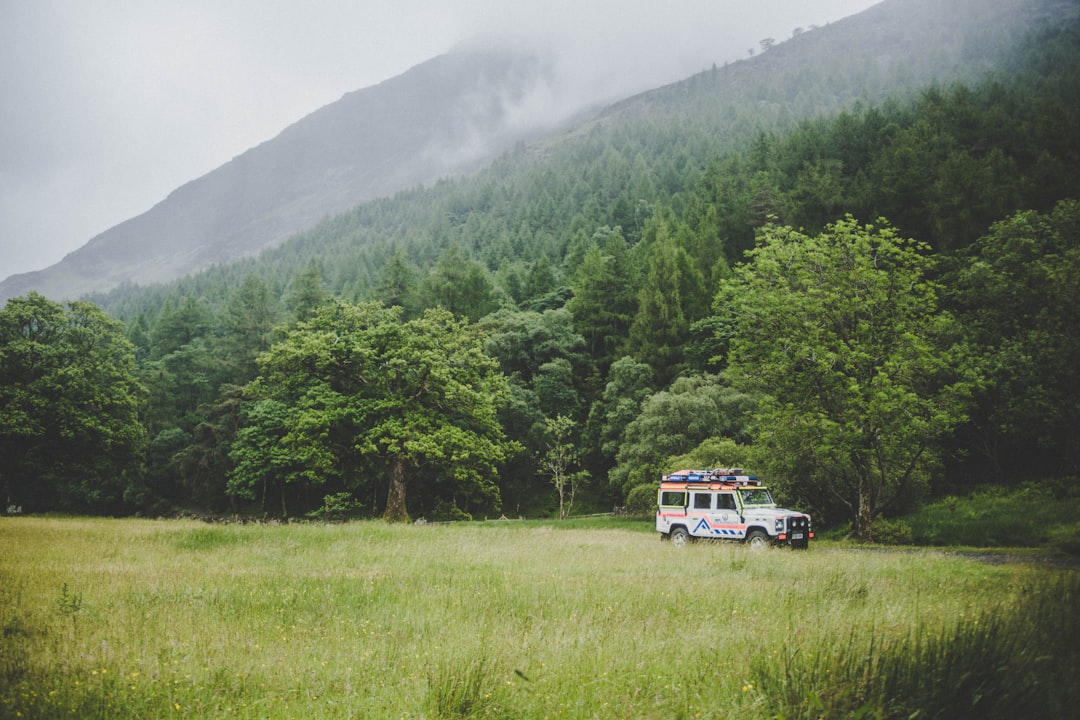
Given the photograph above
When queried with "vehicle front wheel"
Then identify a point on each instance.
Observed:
(757, 540)
(679, 537)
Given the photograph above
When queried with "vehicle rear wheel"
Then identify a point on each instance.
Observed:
(757, 540)
(679, 537)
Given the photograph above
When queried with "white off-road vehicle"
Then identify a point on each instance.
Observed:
(725, 504)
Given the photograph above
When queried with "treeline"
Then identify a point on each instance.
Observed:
(602, 278)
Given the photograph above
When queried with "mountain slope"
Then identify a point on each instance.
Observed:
(441, 118)
(455, 113)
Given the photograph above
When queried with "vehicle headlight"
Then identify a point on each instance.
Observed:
(779, 524)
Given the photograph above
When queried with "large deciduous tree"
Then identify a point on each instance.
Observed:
(361, 392)
(69, 402)
(842, 335)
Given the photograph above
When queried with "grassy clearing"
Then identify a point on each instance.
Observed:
(131, 618)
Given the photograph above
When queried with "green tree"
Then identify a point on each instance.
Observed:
(364, 393)
(245, 323)
(70, 433)
(675, 421)
(559, 461)
(629, 384)
(204, 463)
(605, 298)
(459, 285)
(842, 335)
(524, 341)
(1017, 294)
(672, 297)
(397, 282)
(178, 327)
(264, 457)
(306, 293)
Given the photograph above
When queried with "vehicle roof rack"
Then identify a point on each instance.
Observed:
(731, 476)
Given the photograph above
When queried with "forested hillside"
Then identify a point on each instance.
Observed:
(869, 295)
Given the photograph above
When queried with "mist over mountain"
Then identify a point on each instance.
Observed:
(440, 119)
(457, 112)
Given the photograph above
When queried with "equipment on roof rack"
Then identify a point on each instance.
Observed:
(733, 476)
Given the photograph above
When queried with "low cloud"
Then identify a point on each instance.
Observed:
(112, 105)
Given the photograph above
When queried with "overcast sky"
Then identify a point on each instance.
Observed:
(106, 106)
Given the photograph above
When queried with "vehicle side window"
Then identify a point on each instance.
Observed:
(725, 501)
(702, 501)
(673, 498)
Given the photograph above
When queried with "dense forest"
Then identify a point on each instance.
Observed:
(869, 306)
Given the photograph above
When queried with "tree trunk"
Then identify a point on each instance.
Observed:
(395, 498)
(864, 518)
(559, 485)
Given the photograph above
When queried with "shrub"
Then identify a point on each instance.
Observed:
(892, 532)
(448, 512)
(337, 507)
(641, 500)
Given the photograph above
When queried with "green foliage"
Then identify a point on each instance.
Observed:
(629, 384)
(641, 500)
(675, 421)
(355, 394)
(672, 297)
(306, 293)
(892, 532)
(605, 300)
(560, 461)
(445, 511)
(842, 336)
(1033, 514)
(714, 452)
(457, 284)
(263, 453)
(70, 433)
(1017, 294)
(609, 241)
(541, 351)
(245, 323)
(338, 507)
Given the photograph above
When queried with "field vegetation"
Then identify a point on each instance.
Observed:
(1032, 515)
(106, 618)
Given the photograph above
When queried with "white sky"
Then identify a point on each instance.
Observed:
(106, 106)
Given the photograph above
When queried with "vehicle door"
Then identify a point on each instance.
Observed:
(699, 512)
(726, 518)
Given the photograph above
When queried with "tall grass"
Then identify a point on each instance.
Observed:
(130, 618)
(1001, 662)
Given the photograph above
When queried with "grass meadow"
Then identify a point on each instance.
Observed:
(106, 618)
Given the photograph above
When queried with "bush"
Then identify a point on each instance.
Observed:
(448, 512)
(641, 500)
(337, 507)
(892, 532)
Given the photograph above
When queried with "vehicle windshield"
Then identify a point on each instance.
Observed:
(756, 496)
